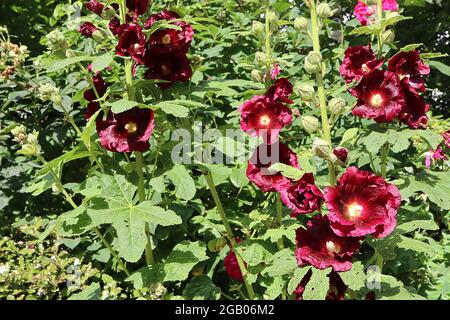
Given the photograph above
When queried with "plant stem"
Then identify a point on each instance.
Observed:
(380, 19)
(384, 156)
(215, 195)
(268, 48)
(321, 91)
(280, 218)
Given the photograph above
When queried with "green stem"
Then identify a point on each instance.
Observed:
(321, 91)
(242, 267)
(279, 219)
(380, 19)
(384, 156)
(268, 48)
(140, 173)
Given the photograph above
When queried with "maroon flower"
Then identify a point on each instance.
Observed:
(127, 131)
(341, 153)
(358, 62)
(446, 136)
(232, 267)
(380, 96)
(303, 197)
(170, 40)
(263, 158)
(361, 204)
(260, 116)
(138, 6)
(280, 91)
(414, 112)
(114, 25)
(100, 86)
(87, 29)
(95, 6)
(409, 67)
(319, 246)
(132, 42)
(169, 67)
(335, 292)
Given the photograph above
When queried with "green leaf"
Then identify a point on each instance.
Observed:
(122, 105)
(61, 64)
(441, 67)
(201, 288)
(299, 273)
(374, 141)
(172, 108)
(393, 289)
(411, 47)
(102, 62)
(146, 276)
(349, 137)
(415, 245)
(183, 182)
(284, 262)
(182, 259)
(93, 292)
(287, 171)
(239, 178)
(355, 278)
(253, 253)
(416, 224)
(318, 285)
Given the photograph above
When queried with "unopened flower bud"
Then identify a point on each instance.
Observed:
(32, 138)
(310, 124)
(20, 134)
(321, 148)
(257, 76)
(300, 23)
(216, 245)
(56, 41)
(336, 105)
(307, 91)
(388, 36)
(261, 58)
(98, 35)
(56, 99)
(257, 27)
(324, 11)
(313, 62)
(47, 91)
(70, 53)
(272, 16)
(340, 155)
(108, 13)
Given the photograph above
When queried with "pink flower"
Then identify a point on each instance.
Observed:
(276, 70)
(446, 136)
(364, 13)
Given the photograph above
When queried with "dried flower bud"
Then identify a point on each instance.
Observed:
(56, 41)
(20, 134)
(257, 76)
(307, 91)
(257, 27)
(47, 91)
(310, 124)
(324, 11)
(321, 148)
(300, 23)
(337, 105)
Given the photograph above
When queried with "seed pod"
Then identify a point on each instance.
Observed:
(300, 23)
(321, 148)
(336, 105)
(307, 91)
(324, 11)
(310, 124)
(257, 28)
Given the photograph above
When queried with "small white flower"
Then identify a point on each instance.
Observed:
(4, 268)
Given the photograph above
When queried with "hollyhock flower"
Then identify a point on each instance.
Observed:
(262, 159)
(170, 40)
(365, 13)
(414, 111)
(260, 116)
(280, 91)
(341, 153)
(95, 6)
(275, 71)
(87, 29)
(358, 62)
(232, 266)
(433, 156)
(319, 246)
(132, 42)
(127, 131)
(170, 67)
(114, 25)
(335, 292)
(303, 197)
(100, 86)
(361, 204)
(446, 136)
(138, 6)
(409, 67)
(380, 96)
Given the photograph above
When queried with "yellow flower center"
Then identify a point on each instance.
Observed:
(354, 211)
(264, 120)
(333, 247)
(131, 127)
(376, 100)
(166, 39)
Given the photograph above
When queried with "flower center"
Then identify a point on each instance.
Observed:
(166, 39)
(264, 120)
(333, 247)
(354, 211)
(376, 100)
(165, 70)
(365, 68)
(131, 127)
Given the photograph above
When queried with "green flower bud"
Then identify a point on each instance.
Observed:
(300, 23)
(310, 124)
(257, 76)
(273, 17)
(311, 68)
(314, 58)
(32, 138)
(307, 91)
(388, 36)
(20, 134)
(98, 35)
(56, 41)
(321, 148)
(216, 245)
(47, 91)
(337, 106)
(261, 58)
(257, 27)
(324, 11)
(108, 13)
(56, 99)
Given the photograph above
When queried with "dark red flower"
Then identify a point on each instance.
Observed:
(414, 112)
(260, 116)
(138, 6)
(446, 136)
(127, 131)
(114, 25)
(87, 29)
(232, 267)
(320, 247)
(358, 62)
(303, 197)
(169, 40)
(361, 204)
(132, 42)
(380, 96)
(409, 67)
(341, 153)
(280, 91)
(95, 6)
(170, 67)
(335, 292)
(263, 158)
(100, 86)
